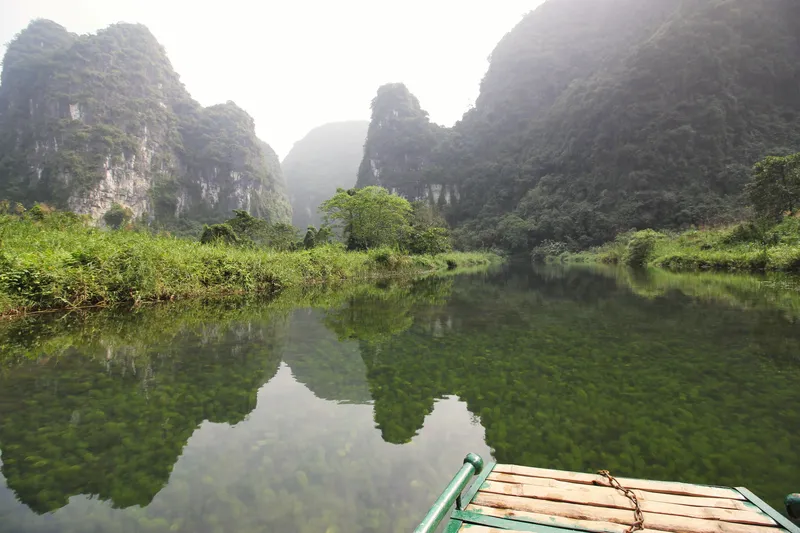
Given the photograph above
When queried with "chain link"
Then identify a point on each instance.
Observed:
(638, 524)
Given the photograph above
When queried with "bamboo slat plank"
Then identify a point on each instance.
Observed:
(669, 487)
(643, 495)
(619, 501)
(473, 528)
(592, 526)
(677, 524)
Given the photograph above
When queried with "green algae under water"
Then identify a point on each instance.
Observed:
(348, 410)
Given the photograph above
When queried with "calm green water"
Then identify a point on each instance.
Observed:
(349, 410)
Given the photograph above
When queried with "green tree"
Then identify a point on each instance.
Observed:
(218, 233)
(255, 231)
(775, 187)
(316, 237)
(429, 233)
(40, 211)
(324, 235)
(433, 240)
(117, 216)
(514, 230)
(369, 217)
(282, 236)
(309, 241)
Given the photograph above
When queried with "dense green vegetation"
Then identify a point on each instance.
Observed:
(770, 240)
(246, 230)
(56, 259)
(372, 216)
(369, 217)
(748, 247)
(325, 159)
(89, 121)
(648, 373)
(600, 116)
(775, 188)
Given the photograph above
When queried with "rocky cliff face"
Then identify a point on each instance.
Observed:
(325, 159)
(400, 152)
(89, 121)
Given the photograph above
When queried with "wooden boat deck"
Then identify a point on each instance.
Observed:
(519, 498)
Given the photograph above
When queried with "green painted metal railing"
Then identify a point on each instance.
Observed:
(793, 506)
(473, 465)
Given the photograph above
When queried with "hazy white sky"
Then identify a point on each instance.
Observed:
(297, 64)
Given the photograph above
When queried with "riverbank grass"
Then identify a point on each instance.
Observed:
(748, 247)
(60, 262)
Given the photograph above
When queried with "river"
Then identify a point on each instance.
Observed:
(347, 410)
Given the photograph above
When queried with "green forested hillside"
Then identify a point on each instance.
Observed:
(90, 121)
(598, 116)
(325, 159)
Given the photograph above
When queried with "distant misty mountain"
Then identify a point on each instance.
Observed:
(326, 158)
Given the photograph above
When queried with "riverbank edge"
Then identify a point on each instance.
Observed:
(715, 250)
(225, 274)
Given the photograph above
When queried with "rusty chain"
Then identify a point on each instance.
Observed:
(638, 524)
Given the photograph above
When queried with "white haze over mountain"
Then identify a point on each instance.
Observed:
(296, 64)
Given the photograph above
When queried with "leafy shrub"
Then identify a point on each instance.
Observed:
(640, 247)
(82, 257)
(257, 232)
(744, 232)
(218, 233)
(323, 236)
(389, 259)
(310, 240)
(40, 211)
(787, 232)
(763, 233)
(63, 220)
(382, 256)
(775, 186)
(317, 237)
(117, 216)
(26, 282)
(547, 249)
(431, 240)
(785, 258)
